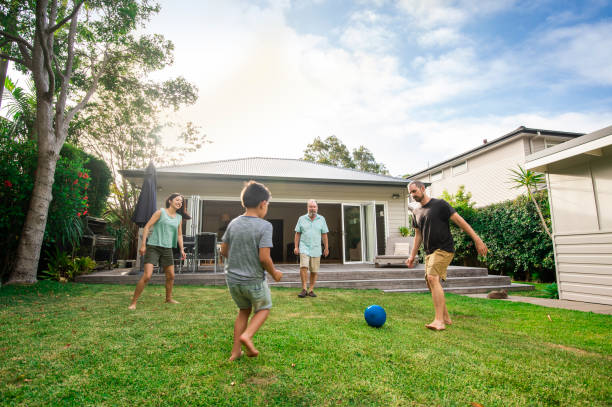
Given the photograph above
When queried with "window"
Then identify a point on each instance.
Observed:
(460, 168)
(436, 176)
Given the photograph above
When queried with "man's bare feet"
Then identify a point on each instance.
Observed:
(436, 326)
(172, 302)
(251, 350)
(236, 357)
(132, 306)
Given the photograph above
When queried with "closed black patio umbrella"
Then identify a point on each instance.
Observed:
(147, 201)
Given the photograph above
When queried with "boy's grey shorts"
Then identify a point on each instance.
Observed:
(255, 295)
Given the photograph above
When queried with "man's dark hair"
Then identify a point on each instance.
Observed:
(418, 184)
(253, 194)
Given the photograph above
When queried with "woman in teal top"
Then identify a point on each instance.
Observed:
(167, 232)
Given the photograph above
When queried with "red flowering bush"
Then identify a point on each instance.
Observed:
(18, 159)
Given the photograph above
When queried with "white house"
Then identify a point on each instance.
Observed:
(362, 209)
(579, 179)
(485, 170)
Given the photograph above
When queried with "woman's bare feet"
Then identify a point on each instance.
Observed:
(448, 322)
(251, 350)
(132, 306)
(236, 357)
(436, 326)
(171, 301)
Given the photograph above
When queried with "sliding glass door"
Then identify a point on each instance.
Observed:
(359, 232)
(351, 233)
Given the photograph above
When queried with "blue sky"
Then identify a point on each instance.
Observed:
(415, 81)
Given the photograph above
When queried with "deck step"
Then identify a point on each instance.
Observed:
(468, 290)
(399, 283)
(353, 276)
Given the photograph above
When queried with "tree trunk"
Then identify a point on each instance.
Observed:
(31, 239)
(540, 214)
(3, 68)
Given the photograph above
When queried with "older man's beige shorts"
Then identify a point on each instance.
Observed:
(437, 263)
(311, 263)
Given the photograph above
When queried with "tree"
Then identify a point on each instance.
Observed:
(68, 58)
(332, 151)
(123, 124)
(532, 181)
(364, 160)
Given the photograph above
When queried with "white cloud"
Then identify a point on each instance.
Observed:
(585, 50)
(267, 90)
(440, 37)
(449, 13)
(368, 31)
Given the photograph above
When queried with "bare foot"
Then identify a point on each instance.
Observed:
(251, 351)
(448, 322)
(132, 306)
(172, 302)
(436, 326)
(236, 357)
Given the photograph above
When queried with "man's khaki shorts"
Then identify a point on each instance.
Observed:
(312, 263)
(437, 263)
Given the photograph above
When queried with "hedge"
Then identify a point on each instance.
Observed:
(518, 245)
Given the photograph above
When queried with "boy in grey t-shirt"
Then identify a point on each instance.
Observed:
(246, 245)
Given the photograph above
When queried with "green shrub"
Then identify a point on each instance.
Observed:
(99, 185)
(18, 160)
(63, 267)
(518, 245)
(552, 291)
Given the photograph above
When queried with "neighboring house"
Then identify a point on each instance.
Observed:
(579, 179)
(485, 170)
(361, 209)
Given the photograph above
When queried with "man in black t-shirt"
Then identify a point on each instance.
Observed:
(431, 224)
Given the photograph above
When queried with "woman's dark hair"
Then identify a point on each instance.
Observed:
(181, 210)
(253, 193)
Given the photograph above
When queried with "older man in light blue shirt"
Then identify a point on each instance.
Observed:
(309, 231)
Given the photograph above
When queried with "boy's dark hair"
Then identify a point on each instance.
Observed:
(253, 193)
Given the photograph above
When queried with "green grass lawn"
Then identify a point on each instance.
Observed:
(539, 290)
(71, 344)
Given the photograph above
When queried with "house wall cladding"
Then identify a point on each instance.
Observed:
(220, 189)
(581, 199)
(584, 264)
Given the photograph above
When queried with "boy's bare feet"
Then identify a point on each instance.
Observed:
(132, 306)
(251, 350)
(172, 302)
(236, 357)
(436, 326)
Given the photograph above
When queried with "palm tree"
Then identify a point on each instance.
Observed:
(531, 181)
(20, 108)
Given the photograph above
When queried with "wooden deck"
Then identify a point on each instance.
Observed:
(354, 276)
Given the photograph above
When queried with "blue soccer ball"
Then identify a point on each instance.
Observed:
(375, 316)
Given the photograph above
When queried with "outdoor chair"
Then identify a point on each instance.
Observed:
(397, 252)
(205, 249)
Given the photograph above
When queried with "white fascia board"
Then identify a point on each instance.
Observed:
(586, 148)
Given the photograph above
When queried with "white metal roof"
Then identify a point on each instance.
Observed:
(274, 168)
